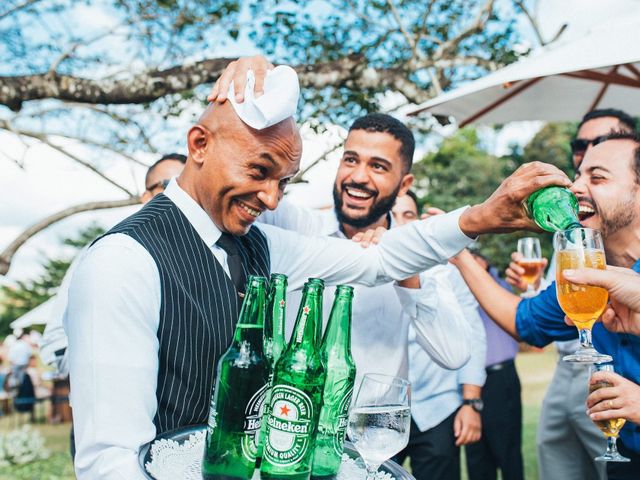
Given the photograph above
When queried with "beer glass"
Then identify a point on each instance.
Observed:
(380, 419)
(531, 262)
(583, 304)
(611, 428)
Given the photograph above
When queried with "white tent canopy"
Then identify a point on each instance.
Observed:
(565, 80)
(38, 316)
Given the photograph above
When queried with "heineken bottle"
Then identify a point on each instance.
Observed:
(319, 282)
(274, 341)
(335, 354)
(553, 209)
(296, 397)
(242, 380)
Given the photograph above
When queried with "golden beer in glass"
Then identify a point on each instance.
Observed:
(583, 304)
(532, 269)
(611, 428)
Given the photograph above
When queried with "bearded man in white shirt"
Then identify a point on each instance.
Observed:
(154, 302)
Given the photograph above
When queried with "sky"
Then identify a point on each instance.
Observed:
(43, 187)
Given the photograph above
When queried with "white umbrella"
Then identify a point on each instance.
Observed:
(563, 81)
(38, 316)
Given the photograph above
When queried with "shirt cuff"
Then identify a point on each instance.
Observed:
(451, 237)
(411, 297)
(472, 376)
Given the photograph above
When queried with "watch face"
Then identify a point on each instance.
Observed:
(476, 404)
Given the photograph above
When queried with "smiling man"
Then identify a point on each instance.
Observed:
(607, 185)
(155, 301)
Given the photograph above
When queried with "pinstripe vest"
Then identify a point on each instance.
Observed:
(199, 307)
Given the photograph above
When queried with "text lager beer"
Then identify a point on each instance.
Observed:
(274, 341)
(239, 394)
(553, 209)
(296, 397)
(338, 388)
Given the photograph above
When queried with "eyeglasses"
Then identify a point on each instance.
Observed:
(580, 145)
(161, 184)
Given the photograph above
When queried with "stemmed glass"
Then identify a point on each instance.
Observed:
(611, 428)
(583, 304)
(531, 262)
(380, 419)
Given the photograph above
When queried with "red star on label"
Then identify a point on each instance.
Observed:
(284, 410)
(306, 309)
(281, 303)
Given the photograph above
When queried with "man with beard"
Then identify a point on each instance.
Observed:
(564, 433)
(373, 170)
(607, 185)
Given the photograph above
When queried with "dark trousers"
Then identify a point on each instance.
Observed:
(433, 454)
(501, 442)
(627, 470)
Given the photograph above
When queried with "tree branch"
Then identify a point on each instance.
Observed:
(20, 6)
(449, 46)
(7, 255)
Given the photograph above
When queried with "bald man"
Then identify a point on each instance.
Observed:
(155, 301)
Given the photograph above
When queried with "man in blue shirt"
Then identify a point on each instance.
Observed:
(607, 185)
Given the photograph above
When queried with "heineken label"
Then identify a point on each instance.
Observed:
(341, 422)
(303, 322)
(213, 414)
(289, 426)
(252, 422)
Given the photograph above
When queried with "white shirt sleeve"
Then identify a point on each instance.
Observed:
(402, 252)
(438, 320)
(305, 221)
(473, 372)
(112, 321)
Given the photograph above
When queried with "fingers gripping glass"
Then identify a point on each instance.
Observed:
(580, 145)
(380, 419)
(583, 304)
(611, 428)
(531, 262)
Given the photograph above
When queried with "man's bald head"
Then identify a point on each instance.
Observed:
(236, 172)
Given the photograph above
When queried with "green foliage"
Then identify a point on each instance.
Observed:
(27, 295)
(461, 172)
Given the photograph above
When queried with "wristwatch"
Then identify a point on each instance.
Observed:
(476, 403)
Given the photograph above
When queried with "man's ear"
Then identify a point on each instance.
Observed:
(198, 141)
(405, 184)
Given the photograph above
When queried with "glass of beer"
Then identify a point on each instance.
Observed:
(583, 304)
(531, 262)
(611, 428)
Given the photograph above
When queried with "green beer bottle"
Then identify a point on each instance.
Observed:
(274, 341)
(338, 388)
(320, 283)
(553, 209)
(242, 381)
(296, 397)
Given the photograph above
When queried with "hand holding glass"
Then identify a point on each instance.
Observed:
(531, 262)
(583, 304)
(611, 428)
(380, 419)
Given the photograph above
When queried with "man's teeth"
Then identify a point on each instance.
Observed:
(585, 209)
(249, 210)
(358, 193)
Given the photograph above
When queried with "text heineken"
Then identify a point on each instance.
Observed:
(239, 394)
(335, 353)
(296, 395)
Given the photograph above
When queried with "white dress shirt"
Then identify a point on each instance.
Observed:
(383, 314)
(113, 316)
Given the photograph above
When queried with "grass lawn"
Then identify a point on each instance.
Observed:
(535, 371)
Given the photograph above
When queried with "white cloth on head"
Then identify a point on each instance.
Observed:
(20, 353)
(279, 101)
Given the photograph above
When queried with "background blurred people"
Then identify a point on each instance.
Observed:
(446, 404)
(500, 447)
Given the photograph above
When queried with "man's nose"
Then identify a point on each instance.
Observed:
(578, 187)
(360, 174)
(270, 195)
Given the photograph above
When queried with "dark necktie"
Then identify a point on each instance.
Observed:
(234, 261)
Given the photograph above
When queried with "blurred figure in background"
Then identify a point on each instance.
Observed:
(500, 447)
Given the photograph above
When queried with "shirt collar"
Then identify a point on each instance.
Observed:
(636, 266)
(198, 218)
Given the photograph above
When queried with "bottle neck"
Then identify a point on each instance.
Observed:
(252, 313)
(274, 322)
(338, 334)
(305, 331)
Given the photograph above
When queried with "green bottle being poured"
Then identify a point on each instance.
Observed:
(553, 209)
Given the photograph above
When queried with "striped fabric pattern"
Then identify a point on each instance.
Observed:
(199, 307)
